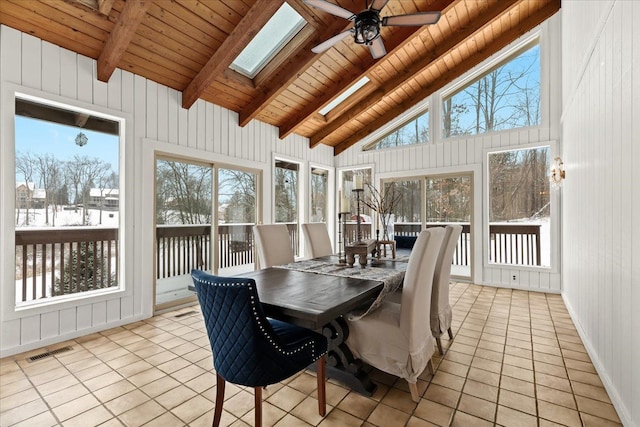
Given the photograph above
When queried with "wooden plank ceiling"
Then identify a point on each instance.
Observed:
(188, 45)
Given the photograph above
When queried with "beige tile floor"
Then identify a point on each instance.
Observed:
(516, 360)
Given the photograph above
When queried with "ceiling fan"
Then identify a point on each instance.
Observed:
(366, 28)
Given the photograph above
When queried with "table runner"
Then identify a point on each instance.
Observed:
(392, 278)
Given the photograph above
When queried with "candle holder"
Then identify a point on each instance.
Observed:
(358, 192)
(342, 236)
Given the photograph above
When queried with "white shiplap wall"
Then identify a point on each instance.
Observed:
(601, 206)
(205, 131)
(457, 154)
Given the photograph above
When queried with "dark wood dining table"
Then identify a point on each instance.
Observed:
(320, 302)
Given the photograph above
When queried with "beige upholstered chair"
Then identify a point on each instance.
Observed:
(317, 239)
(441, 314)
(273, 245)
(396, 337)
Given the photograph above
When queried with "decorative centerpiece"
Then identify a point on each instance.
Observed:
(383, 205)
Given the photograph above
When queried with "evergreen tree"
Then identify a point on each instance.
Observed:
(85, 269)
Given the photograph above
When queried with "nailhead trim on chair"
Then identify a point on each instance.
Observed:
(261, 326)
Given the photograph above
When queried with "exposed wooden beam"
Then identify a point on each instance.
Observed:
(507, 37)
(290, 70)
(440, 50)
(241, 35)
(401, 36)
(120, 36)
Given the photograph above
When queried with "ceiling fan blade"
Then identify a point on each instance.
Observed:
(330, 42)
(377, 48)
(411, 19)
(331, 8)
(378, 4)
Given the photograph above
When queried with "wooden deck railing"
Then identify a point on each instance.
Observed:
(516, 244)
(65, 261)
(181, 248)
(462, 253)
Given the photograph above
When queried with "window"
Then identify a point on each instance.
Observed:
(319, 188)
(519, 207)
(286, 198)
(67, 172)
(414, 132)
(276, 33)
(344, 95)
(507, 97)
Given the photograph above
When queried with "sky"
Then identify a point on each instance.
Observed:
(42, 137)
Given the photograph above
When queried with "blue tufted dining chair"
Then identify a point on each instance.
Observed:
(250, 349)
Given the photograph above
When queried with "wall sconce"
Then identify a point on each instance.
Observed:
(557, 172)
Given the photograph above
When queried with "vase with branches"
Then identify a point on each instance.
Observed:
(383, 204)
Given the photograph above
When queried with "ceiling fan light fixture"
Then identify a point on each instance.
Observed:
(367, 27)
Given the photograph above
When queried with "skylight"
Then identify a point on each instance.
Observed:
(347, 93)
(276, 33)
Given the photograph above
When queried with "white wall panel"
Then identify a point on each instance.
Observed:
(114, 91)
(113, 310)
(30, 329)
(601, 204)
(49, 325)
(84, 317)
(68, 321)
(31, 62)
(84, 76)
(51, 78)
(99, 313)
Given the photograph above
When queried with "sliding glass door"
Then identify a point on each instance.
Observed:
(190, 197)
(184, 211)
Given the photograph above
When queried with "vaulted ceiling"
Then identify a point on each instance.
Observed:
(188, 45)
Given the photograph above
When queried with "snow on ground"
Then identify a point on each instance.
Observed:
(66, 216)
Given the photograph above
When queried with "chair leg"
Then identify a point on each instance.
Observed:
(322, 395)
(450, 333)
(258, 406)
(217, 413)
(439, 342)
(431, 368)
(413, 388)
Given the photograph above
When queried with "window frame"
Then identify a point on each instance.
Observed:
(370, 146)
(520, 46)
(10, 310)
(554, 215)
(302, 207)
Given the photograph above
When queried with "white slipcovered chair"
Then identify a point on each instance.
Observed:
(273, 245)
(396, 337)
(317, 239)
(441, 313)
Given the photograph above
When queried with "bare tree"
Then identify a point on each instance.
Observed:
(184, 193)
(47, 167)
(25, 164)
(83, 172)
(506, 97)
(241, 205)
